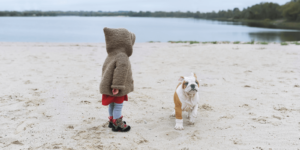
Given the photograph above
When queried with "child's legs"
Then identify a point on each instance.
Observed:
(110, 109)
(117, 110)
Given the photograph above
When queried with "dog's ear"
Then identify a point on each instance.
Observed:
(181, 78)
(194, 74)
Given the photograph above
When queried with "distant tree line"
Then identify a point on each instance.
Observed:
(263, 11)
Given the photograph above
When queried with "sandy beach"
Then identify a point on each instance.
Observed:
(249, 97)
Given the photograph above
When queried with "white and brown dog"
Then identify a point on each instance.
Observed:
(186, 99)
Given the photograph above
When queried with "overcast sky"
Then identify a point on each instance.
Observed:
(133, 5)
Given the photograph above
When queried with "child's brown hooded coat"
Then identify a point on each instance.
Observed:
(116, 71)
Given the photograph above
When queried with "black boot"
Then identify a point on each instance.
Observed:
(120, 126)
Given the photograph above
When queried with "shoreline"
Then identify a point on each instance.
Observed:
(269, 24)
(158, 42)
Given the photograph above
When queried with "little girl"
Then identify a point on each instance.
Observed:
(117, 80)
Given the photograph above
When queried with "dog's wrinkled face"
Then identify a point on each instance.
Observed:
(190, 84)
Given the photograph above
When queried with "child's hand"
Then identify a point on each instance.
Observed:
(115, 91)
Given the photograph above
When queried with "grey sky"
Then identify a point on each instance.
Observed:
(134, 5)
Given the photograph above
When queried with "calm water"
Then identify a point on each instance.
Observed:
(89, 29)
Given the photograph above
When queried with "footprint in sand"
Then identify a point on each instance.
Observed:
(70, 127)
(252, 114)
(205, 85)
(23, 125)
(261, 120)
(277, 117)
(17, 143)
(281, 109)
(27, 82)
(206, 107)
(246, 106)
(237, 141)
(223, 128)
(227, 117)
(171, 135)
(140, 141)
(247, 86)
(85, 102)
(195, 135)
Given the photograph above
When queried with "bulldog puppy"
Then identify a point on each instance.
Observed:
(186, 99)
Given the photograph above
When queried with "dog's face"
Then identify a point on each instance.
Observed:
(190, 84)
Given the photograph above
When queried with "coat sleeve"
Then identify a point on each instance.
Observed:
(120, 72)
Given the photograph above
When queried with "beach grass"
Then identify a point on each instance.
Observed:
(252, 42)
(194, 42)
(227, 42)
(296, 43)
(191, 42)
(263, 43)
(175, 41)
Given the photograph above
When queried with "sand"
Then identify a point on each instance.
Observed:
(249, 97)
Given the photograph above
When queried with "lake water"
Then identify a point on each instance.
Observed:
(89, 29)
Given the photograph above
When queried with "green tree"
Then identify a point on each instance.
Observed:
(236, 13)
(291, 10)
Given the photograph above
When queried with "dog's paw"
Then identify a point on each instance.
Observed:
(192, 121)
(178, 127)
(179, 124)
